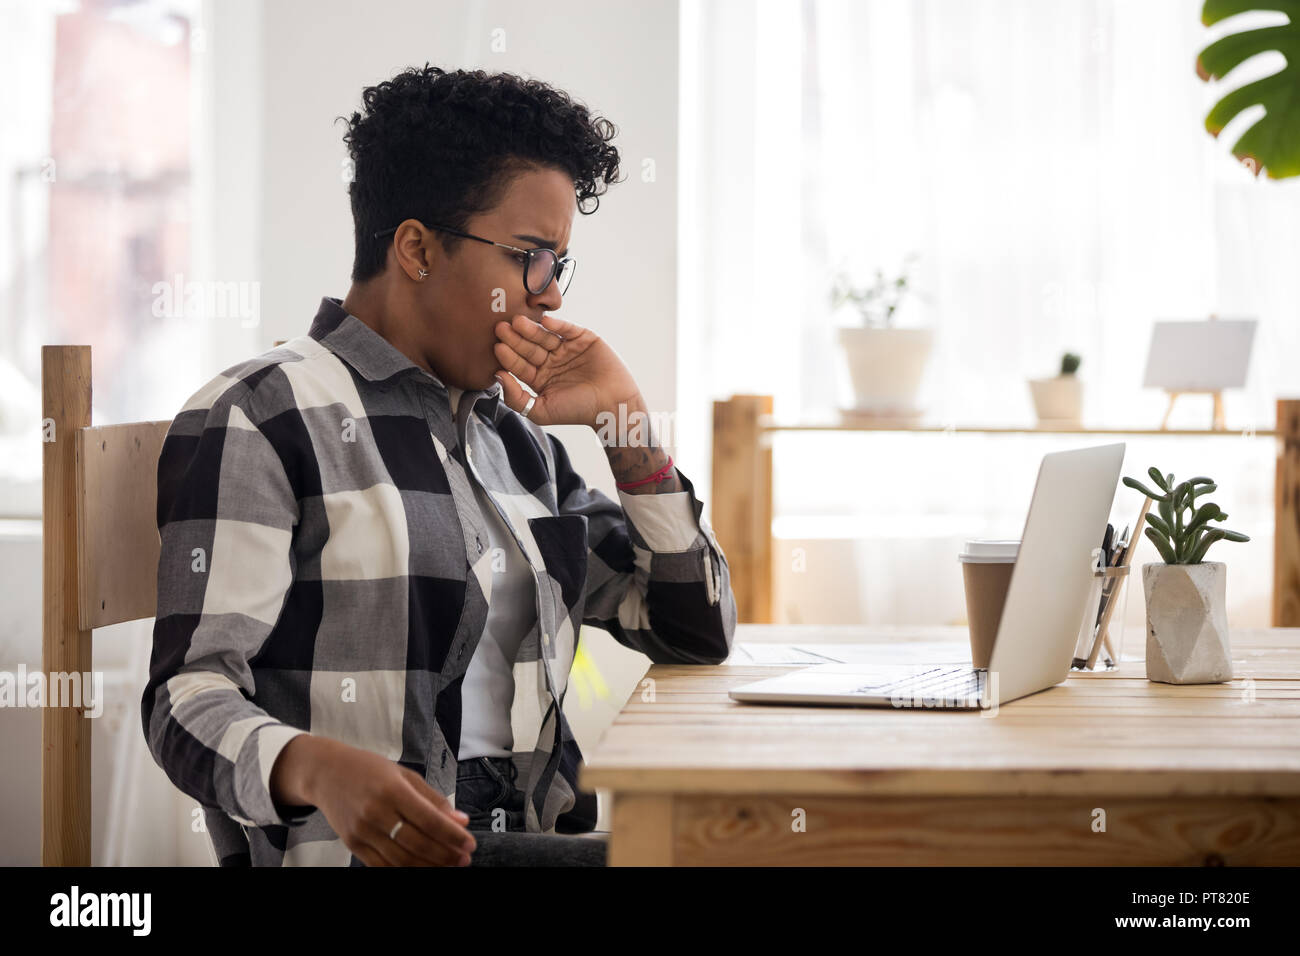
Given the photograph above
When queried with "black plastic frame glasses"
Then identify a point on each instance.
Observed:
(558, 269)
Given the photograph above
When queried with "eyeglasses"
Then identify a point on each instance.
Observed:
(540, 265)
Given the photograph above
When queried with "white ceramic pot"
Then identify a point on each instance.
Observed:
(1187, 623)
(886, 367)
(1059, 400)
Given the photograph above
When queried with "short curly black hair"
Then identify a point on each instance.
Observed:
(441, 147)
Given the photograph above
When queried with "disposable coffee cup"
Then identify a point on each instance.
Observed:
(986, 567)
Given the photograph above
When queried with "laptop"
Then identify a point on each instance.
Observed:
(1040, 620)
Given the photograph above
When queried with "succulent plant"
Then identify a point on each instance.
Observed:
(877, 302)
(1070, 363)
(1183, 540)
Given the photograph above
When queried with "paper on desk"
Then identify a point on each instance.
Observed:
(746, 653)
(910, 652)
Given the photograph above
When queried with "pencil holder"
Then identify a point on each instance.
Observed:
(1100, 643)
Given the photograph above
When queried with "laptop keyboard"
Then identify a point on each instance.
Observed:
(939, 682)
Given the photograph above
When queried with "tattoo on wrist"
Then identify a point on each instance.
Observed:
(634, 463)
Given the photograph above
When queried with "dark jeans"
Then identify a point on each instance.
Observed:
(487, 784)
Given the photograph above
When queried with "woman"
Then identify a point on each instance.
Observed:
(375, 563)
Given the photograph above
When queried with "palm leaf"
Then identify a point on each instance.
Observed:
(1273, 142)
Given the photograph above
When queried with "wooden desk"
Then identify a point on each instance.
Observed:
(1185, 775)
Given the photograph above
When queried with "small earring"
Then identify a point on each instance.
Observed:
(423, 273)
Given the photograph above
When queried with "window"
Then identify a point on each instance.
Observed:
(95, 197)
(1050, 165)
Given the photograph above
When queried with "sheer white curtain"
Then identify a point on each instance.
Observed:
(1050, 165)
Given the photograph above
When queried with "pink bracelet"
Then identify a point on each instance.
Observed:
(657, 477)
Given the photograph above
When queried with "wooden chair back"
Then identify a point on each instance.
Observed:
(100, 556)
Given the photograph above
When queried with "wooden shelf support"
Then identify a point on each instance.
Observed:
(742, 501)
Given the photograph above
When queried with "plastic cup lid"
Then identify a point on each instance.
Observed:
(986, 551)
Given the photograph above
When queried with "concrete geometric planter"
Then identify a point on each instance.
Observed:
(1187, 623)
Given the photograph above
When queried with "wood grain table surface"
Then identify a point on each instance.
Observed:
(1107, 768)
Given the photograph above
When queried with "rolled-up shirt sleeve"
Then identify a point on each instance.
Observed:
(657, 579)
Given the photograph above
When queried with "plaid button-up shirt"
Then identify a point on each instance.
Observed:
(325, 568)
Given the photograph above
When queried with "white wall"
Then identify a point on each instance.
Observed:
(621, 62)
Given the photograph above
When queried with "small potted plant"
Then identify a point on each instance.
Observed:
(1059, 401)
(1187, 621)
(886, 363)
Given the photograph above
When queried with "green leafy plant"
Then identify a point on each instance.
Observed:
(1272, 143)
(877, 302)
(1179, 539)
(1070, 363)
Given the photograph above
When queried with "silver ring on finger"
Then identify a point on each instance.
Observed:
(392, 834)
(529, 407)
